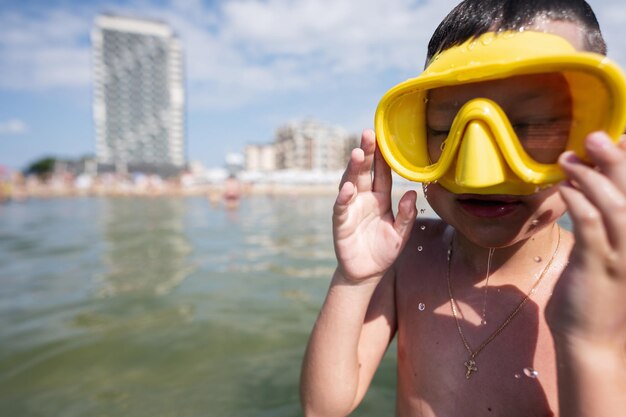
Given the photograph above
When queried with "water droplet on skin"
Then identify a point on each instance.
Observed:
(487, 40)
(420, 248)
(517, 376)
(442, 146)
(535, 222)
(483, 322)
(422, 227)
(421, 307)
(537, 258)
(531, 373)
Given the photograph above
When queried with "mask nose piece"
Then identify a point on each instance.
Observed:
(479, 161)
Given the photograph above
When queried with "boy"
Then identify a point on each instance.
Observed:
(493, 304)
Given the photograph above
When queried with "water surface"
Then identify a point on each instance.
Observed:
(163, 307)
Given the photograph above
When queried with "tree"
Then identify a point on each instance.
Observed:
(42, 167)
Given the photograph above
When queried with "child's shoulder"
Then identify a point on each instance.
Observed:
(429, 233)
(422, 263)
(429, 240)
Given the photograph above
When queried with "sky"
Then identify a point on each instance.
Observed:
(251, 66)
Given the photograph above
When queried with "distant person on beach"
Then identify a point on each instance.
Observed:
(232, 192)
(496, 310)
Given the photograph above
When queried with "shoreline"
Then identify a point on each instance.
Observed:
(212, 191)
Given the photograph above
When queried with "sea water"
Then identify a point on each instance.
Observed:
(163, 306)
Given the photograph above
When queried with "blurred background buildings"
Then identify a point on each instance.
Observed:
(139, 105)
(306, 145)
(139, 102)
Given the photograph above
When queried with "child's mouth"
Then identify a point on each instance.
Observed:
(488, 206)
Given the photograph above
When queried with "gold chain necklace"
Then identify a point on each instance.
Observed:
(470, 364)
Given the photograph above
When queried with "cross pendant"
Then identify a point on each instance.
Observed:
(471, 367)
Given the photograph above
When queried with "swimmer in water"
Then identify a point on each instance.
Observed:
(232, 192)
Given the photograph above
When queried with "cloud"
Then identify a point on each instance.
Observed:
(251, 49)
(239, 52)
(13, 127)
(42, 52)
(333, 34)
(235, 50)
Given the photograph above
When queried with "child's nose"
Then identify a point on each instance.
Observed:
(479, 160)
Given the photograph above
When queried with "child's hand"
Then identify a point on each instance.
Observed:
(367, 237)
(589, 301)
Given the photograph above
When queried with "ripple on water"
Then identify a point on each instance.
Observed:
(134, 307)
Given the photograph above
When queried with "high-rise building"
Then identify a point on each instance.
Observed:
(139, 98)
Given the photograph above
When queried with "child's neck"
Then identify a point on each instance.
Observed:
(507, 263)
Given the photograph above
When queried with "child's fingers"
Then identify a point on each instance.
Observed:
(368, 145)
(382, 174)
(351, 174)
(608, 157)
(407, 212)
(600, 192)
(344, 198)
(607, 199)
(589, 229)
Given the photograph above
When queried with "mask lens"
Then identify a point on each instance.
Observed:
(539, 107)
(544, 140)
(436, 142)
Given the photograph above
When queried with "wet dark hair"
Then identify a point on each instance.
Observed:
(472, 18)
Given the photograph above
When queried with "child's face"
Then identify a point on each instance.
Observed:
(497, 220)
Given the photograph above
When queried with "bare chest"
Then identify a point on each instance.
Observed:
(514, 374)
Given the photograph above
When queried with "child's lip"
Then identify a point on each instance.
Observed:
(490, 197)
(489, 206)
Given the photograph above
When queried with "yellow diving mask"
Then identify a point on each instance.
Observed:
(491, 116)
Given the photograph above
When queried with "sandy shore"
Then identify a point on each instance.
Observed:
(212, 191)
